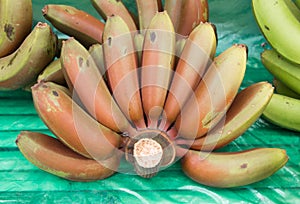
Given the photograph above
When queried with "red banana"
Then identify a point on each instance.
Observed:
(75, 23)
(71, 124)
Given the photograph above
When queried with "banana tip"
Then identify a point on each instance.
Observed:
(37, 85)
(45, 10)
(41, 24)
(19, 136)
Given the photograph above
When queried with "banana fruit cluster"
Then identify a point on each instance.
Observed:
(24, 52)
(282, 60)
(149, 89)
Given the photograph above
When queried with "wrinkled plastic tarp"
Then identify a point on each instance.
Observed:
(20, 181)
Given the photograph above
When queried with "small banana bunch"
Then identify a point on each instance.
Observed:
(24, 52)
(283, 59)
(149, 91)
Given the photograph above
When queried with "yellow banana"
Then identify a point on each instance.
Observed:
(52, 156)
(232, 169)
(15, 24)
(24, 65)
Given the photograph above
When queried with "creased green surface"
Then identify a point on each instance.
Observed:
(21, 182)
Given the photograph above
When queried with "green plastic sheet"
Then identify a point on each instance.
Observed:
(21, 182)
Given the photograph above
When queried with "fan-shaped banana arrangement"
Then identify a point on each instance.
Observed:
(146, 88)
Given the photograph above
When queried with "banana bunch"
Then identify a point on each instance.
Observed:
(149, 89)
(24, 51)
(283, 59)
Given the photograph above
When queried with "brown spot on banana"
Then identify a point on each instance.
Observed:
(232, 169)
(55, 93)
(10, 31)
(244, 165)
(16, 24)
(22, 67)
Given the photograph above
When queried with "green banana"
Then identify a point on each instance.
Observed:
(282, 69)
(283, 111)
(52, 156)
(53, 72)
(246, 108)
(232, 169)
(282, 89)
(15, 24)
(293, 8)
(23, 66)
(297, 3)
(280, 26)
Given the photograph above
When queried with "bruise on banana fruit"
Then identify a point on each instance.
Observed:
(125, 109)
(23, 66)
(15, 24)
